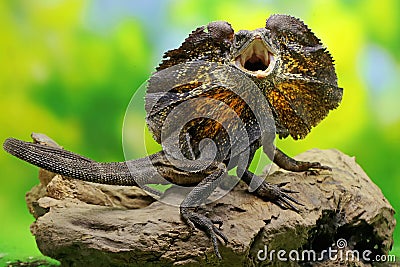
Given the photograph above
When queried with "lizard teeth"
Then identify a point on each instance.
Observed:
(261, 74)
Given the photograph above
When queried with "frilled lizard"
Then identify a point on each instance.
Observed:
(217, 97)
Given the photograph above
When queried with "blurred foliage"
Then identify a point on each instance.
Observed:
(70, 68)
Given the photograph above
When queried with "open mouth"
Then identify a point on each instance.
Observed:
(256, 59)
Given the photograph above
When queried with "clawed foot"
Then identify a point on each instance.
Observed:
(318, 166)
(196, 220)
(290, 164)
(315, 167)
(278, 195)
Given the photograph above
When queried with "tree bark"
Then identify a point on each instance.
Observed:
(84, 224)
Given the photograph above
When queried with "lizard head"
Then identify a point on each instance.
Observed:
(252, 52)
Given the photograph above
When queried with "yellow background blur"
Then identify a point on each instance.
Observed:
(69, 69)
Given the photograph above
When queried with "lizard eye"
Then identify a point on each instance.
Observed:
(256, 58)
(241, 37)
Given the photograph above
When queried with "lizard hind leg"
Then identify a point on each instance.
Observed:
(195, 198)
(290, 164)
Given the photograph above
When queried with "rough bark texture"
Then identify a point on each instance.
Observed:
(83, 224)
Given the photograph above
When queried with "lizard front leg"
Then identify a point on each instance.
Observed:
(270, 192)
(196, 197)
(260, 187)
(275, 193)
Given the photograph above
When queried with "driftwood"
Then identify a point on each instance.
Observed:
(83, 224)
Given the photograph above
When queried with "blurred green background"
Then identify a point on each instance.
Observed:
(69, 69)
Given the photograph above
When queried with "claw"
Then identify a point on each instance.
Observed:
(278, 196)
(284, 204)
(323, 167)
(285, 190)
(215, 245)
(311, 172)
(317, 165)
(286, 196)
(288, 190)
(217, 221)
(221, 234)
(282, 184)
(194, 219)
(280, 204)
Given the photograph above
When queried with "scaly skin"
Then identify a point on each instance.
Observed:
(234, 90)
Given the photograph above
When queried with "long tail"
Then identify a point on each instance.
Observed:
(66, 163)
